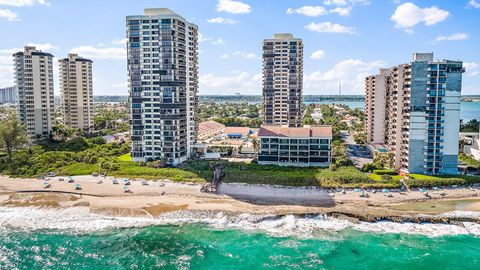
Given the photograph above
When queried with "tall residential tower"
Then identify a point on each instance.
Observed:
(77, 91)
(282, 80)
(34, 84)
(163, 80)
(422, 114)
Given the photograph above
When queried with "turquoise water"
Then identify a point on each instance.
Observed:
(468, 110)
(195, 246)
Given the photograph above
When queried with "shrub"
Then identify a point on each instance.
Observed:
(369, 167)
(386, 177)
(382, 172)
(430, 182)
(333, 167)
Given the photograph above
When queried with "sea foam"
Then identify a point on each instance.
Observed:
(81, 219)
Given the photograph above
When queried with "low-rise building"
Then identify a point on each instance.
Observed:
(303, 146)
(237, 132)
(209, 129)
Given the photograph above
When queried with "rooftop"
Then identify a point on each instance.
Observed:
(301, 132)
(209, 125)
(244, 131)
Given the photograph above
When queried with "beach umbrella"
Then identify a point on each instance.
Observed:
(436, 188)
(357, 190)
(422, 190)
(385, 190)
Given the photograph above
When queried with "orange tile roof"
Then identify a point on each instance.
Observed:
(237, 130)
(300, 132)
(209, 125)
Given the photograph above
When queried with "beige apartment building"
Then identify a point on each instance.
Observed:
(282, 80)
(34, 83)
(375, 101)
(419, 103)
(77, 91)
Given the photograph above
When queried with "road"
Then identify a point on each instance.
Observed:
(358, 154)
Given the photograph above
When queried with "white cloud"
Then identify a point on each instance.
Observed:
(453, 37)
(472, 69)
(39, 46)
(100, 53)
(21, 3)
(218, 41)
(408, 15)
(342, 11)
(224, 56)
(311, 11)
(9, 15)
(473, 4)
(328, 27)
(345, 2)
(351, 73)
(119, 41)
(335, 2)
(235, 7)
(239, 81)
(318, 54)
(221, 20)
(246, 55)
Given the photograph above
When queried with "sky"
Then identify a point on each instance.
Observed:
(344, 40)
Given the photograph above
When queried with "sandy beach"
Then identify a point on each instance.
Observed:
(164, 196)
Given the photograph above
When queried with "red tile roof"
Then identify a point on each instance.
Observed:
(303, 132)
(209, 125)
(237, 130)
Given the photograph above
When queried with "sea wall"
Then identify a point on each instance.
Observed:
(270, 193)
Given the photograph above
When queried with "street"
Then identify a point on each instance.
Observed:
(358, 154)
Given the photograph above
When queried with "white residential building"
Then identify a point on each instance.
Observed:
(77, 91)
(303, 147)
(8, 95)
(34, 83)
(163, 79)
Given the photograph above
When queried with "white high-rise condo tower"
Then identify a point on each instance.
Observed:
(282, 80)
(34, 84)
(163, 80)
(77, 91)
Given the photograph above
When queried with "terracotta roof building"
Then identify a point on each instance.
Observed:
(209, 129)
(306, 146)
(237, 132)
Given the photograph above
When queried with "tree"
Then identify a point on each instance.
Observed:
(61, 131)
(13, 134)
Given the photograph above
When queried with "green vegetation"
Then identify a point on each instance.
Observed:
(239, 122)
(12, 134)
(471, 126)
(231, 114)
(307, 116)
(110, 120)
(469, 161)
(125, 157)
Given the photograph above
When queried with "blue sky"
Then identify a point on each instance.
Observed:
(344, 40)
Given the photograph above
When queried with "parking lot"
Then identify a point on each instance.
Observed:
(358, 154)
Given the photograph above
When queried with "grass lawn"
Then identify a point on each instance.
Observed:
(377, 177)
(126, 157)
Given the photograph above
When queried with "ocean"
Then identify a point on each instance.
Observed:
(77, 239)
(468, 110)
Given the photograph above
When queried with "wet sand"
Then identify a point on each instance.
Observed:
(164, 196)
